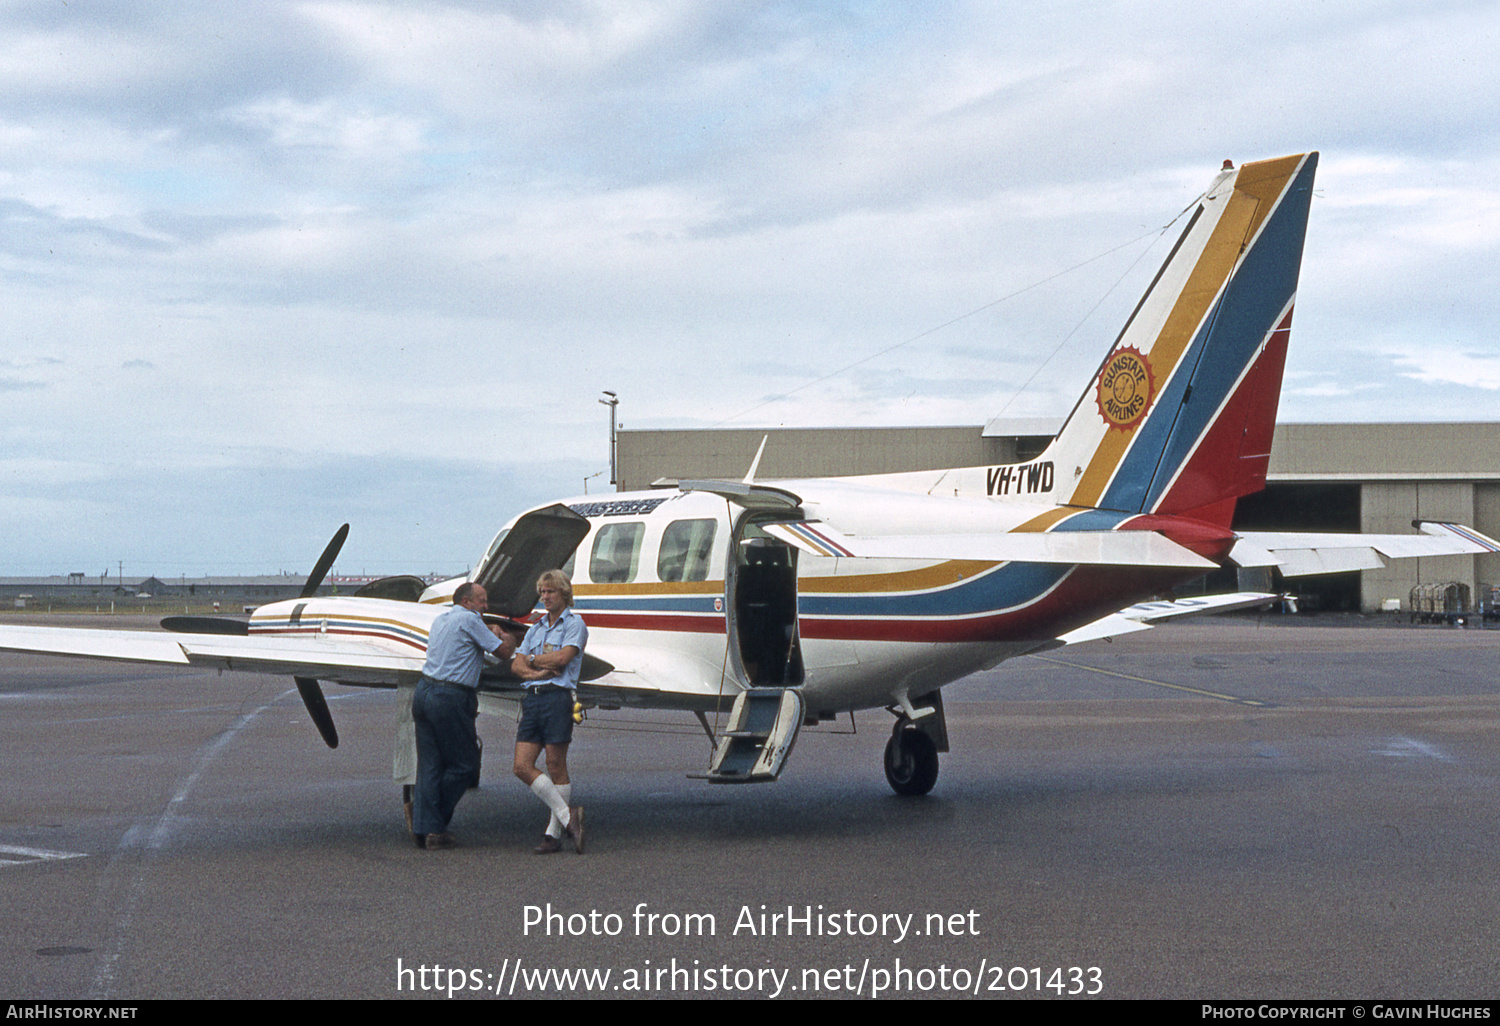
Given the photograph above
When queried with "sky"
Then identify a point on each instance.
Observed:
(267, 268)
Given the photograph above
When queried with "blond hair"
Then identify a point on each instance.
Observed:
(559, 580)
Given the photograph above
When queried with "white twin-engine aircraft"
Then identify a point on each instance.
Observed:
(783, 604)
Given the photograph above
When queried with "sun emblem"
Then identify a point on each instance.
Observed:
(1125, 386)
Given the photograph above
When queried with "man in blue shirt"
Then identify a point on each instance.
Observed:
(549, 661)
(444, 708)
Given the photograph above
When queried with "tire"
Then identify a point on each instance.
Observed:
(911, 762)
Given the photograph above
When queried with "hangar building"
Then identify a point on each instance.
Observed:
(1374, 478)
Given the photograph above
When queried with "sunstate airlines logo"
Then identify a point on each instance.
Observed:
(1124, 391)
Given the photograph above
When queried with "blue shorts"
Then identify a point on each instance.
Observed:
(546, 716)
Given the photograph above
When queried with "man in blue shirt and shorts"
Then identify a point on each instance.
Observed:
(549, 661)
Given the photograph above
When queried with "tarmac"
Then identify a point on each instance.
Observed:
(1234, 808)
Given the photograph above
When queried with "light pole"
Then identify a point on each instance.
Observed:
(612, 402)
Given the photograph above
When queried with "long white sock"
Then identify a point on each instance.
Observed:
(554, 825)
(547, 791)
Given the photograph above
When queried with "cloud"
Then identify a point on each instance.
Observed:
(360, 232)
(1453, 367)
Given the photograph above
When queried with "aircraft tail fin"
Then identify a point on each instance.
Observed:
(1178, 418)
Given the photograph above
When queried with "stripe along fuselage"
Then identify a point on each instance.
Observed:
(691, 593)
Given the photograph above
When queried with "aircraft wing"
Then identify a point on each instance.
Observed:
(657, 678)
(654, 678)
(1117, 548)
(1143, 615)
(1297, 555)
(306, 655)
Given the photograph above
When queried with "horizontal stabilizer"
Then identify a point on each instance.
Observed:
(1300, 554)
(1087, 548)
(1143, 615)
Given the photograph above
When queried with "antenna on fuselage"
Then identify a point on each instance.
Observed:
(755, 463)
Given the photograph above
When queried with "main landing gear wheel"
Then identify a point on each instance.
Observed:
(911, 762)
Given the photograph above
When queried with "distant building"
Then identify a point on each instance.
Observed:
(77, 591)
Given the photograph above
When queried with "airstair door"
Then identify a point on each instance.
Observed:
(765, 652)
(761, 586)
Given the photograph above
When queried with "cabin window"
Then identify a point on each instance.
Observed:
(617, 550)
(686, 548)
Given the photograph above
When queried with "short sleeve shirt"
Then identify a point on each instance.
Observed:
(542, 638)
(456, 645)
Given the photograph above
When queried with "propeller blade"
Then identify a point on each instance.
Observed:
(307, 687)
(324, 564)
(317, 707)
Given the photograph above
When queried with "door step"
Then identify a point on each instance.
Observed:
(762, 729)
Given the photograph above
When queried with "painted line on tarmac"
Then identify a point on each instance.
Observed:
(1406, 747)
(1236, 699)
(141, 842)
(15, 855)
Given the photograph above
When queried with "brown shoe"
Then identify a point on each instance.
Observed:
(548, 846)
(575, 827)
(439, 842)
(406, 807)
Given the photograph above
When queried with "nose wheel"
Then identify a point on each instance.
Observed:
(911, 761)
